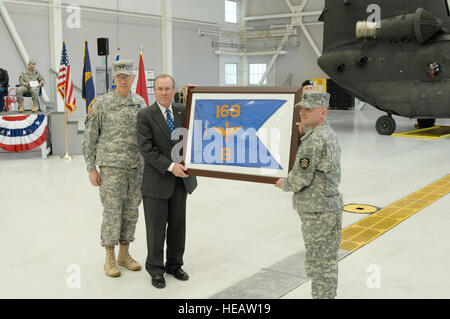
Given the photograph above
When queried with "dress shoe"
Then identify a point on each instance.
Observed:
(158, 281)
(178, 273)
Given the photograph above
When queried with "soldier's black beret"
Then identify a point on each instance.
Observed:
(307, 82)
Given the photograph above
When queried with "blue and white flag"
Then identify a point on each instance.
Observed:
(229, 130)
(117, 59)
(87, 83)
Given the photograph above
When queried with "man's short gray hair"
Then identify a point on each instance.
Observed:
(164, 76)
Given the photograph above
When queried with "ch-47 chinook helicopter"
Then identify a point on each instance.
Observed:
(392, 54)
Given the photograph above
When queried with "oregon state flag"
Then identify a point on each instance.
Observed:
(88, 90)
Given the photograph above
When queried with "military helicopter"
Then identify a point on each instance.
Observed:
(392, 54)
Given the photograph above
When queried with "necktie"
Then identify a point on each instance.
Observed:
(169, 121)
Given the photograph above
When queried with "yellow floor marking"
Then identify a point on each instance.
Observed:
(350, 246)
(417, 195)
(371, 227)
(366, 236)
(403, 213)
(350, 232)
(387, 211)
(369, 221)
(386, 223)
(434, 132)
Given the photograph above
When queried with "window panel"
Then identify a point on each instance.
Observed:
(256, 71)
(230, 11)
(231, 73)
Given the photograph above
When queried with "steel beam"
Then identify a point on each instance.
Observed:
(243, 60)
(112, 12)
(284, 15)
(166, 36)
(310, 40)
(55, 31)
(255, 53)
(18, 41)
(282, 44)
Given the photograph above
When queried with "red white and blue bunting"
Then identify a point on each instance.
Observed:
(19, 133)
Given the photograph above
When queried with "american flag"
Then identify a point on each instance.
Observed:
(65, 84)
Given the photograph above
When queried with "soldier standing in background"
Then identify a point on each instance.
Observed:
(314, 179)
(110, 141)
(307, 86)
(30, 74)
(4, 81)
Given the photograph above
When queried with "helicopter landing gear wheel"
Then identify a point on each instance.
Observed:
(426, 123)
(385, 125)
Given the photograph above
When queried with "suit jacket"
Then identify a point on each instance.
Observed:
(4, 79)
(155, 145)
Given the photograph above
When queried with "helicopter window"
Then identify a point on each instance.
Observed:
(433, 69)
(447, 3)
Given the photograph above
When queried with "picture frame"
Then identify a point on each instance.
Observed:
(242, 133)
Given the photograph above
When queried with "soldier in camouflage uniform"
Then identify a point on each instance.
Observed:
(110, 142)
(314, 179)
(307, 86)
(30, 74)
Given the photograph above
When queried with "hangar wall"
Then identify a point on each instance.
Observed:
(32, 24)
(300, 62)
(194, 60)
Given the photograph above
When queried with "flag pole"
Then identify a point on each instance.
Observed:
(67, 156)
(65, 99)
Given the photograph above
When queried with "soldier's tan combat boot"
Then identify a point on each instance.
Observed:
(111, 269)
(124, 259)
(21, 107)
(34, 108)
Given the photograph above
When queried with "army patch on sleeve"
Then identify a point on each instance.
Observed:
(90, 112)
(304, 163)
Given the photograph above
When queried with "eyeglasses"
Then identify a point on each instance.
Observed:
(123, 78)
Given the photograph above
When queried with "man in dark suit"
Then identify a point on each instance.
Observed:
(4, 80)
(165, 184)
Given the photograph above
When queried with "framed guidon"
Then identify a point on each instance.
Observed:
(242, 133)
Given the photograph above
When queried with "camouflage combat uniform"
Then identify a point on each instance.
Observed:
(25, 77)
(314, 179)
(110, 141)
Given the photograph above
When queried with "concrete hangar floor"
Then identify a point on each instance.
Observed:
(243, 239)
